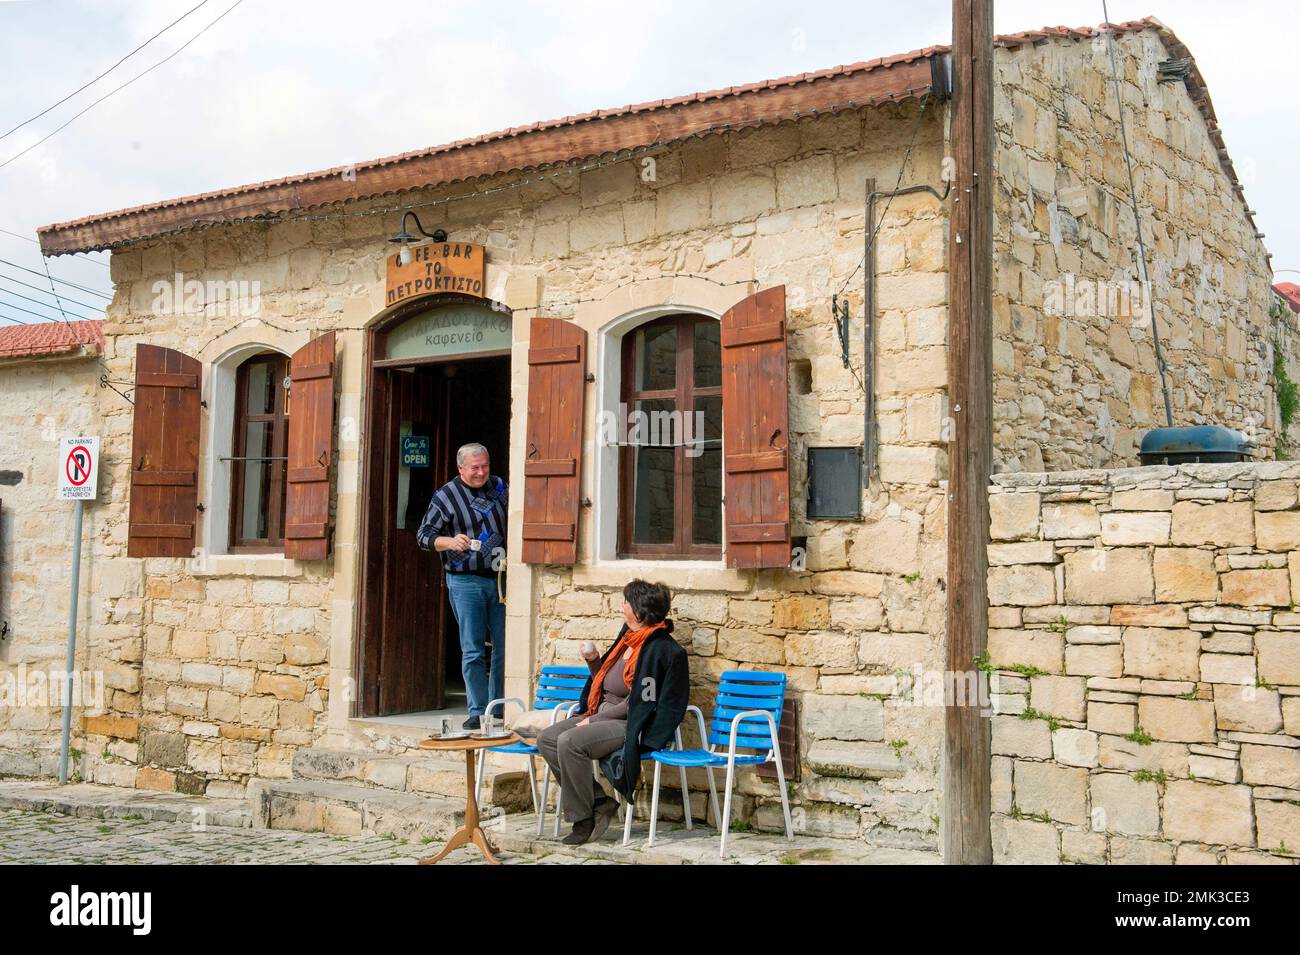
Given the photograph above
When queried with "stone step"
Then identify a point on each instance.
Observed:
(347, 809)
(382, 736)
(505, 780)
(92, 801)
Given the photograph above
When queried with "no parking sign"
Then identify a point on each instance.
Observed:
(78, 468)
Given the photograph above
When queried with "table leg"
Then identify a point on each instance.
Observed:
(459, 838)
(469, 833)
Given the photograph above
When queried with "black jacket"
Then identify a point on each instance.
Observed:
(656, 704)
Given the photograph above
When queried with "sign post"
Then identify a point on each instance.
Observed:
(78, 477)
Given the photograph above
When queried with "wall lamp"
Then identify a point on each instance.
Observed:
(405, 239)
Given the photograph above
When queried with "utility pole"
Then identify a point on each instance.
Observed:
(966, 825)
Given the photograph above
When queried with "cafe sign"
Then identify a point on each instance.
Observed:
(460, 328)
(436, 267)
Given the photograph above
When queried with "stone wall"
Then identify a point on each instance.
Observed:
(1075, 374)
(44, 399)
(1146, 658)
(865, 602)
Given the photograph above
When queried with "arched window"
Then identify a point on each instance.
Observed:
(670, 464)
(259, 451)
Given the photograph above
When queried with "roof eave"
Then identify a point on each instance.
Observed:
(515, 151)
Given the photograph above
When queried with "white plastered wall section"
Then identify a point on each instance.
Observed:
(350, 356)
(221, 359)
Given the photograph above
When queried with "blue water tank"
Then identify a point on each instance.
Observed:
(1203, 444)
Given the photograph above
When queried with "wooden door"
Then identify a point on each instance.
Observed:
(411, 631)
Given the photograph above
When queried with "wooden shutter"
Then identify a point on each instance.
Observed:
(557, 366)
(164, 454)
(311, 449)
(755, 432)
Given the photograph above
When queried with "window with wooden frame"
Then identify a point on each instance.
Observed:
(670, 465)
(260, 452)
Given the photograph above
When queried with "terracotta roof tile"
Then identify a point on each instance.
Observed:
(1290, 293)
(49, 338)
(735, 92)
(278, 196)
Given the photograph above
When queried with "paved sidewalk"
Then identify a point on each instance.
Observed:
(676, 845)
(41, 821)
(37, 838)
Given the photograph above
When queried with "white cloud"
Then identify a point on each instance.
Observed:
(285, 86)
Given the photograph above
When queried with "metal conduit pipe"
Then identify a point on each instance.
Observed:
(869, 322)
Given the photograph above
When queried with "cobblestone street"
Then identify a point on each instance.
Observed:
(43, 838)
(41, 822)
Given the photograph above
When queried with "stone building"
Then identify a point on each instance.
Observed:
(270, 624)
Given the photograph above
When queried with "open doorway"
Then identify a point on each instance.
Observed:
(421, 413)
(477, 396)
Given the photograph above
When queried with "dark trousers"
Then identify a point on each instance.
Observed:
(569, 749)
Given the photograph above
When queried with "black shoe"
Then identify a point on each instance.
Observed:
(581, 833)
(472, 723)
(606, 810)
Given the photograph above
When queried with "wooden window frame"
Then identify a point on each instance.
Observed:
(279, 419)
(683, 396)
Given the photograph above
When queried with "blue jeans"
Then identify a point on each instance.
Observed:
(479, 613)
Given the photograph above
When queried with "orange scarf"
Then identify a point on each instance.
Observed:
(634, 639)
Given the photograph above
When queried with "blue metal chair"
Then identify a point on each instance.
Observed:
(563, 707)
(558, 689)
(746, 715)
(603, 765)
(629, 808)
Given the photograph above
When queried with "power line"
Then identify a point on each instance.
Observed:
(875, 227)
(40, 275)
(18, 320)
(45, 264)
(48, 318)
(5, 278)
(123, 86)
(1137, 215)
(37, 301)
(106, 72)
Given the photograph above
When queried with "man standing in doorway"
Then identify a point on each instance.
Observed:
(466, 525)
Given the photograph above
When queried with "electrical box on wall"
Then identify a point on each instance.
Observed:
(835, 484)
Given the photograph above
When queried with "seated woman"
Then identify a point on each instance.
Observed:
(633, 702)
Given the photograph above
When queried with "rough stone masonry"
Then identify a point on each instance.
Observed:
(1145, 648)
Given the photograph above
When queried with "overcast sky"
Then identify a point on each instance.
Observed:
(287, 86)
